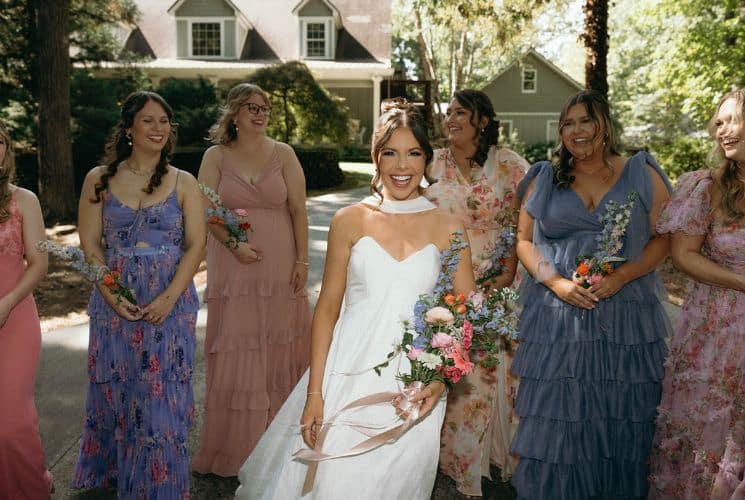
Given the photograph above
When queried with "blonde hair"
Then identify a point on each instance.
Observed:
(224, 129)
(729, 175)
(7, 173)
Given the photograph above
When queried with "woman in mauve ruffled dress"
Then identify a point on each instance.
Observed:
(700, 442)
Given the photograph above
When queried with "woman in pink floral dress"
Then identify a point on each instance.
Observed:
(699, 447)
(478, 181)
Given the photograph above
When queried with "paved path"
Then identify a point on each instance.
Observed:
(62, 381)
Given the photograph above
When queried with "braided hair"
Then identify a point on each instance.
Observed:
(119, 146)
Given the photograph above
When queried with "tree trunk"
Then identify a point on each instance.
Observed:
(595, 39)
(56, 173)
(430, 72)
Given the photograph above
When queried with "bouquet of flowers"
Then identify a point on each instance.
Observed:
(111, 279)
(234, 221)
(615, 219)
(447, 328)
(494, 257)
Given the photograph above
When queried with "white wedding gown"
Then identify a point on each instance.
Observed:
(380, 293)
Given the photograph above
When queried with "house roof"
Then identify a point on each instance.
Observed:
(334, 11)
(366, 24)
(545, 61)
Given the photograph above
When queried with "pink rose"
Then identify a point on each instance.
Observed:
(414, 353)
(594, 278)
(453, 374)
(477, 299)
(240, 212)
(439, 315)
(441, 339)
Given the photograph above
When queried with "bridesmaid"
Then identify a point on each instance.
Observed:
(142, 217)
(258, 321)
(477, 181)
(23, 474)
(700, 442)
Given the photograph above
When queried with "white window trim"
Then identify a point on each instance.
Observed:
(551, 126)
(330, 31)
(212, 20)
(508, 122)
(535, 80)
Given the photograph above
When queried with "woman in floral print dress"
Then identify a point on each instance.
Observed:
(700, 442)
(478, 181)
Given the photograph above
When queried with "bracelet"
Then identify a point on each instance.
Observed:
(311, 393)
(302, 262)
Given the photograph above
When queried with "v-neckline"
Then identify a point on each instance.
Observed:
(600, 203)
(253, 183)
(459, 177)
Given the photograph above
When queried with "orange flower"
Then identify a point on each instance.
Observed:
(460, 309)
(607, 268)
(109, 280)
(449, 299)
(216, 220)
(461, 298)
(583, 269)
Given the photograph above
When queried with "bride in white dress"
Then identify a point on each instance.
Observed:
(382, 254)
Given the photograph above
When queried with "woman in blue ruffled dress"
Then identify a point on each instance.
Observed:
(591, 354)
(142, 217)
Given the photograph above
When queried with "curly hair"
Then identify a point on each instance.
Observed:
(398, 113)
(480, 106)
(119, 147)
(7, 173)
(598, 110)
(728, 174)
(224, 129)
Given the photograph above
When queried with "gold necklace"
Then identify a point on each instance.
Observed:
(137, 171)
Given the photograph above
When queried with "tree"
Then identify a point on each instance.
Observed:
(303, 111)
(595, 39)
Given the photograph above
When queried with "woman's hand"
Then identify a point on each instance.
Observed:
(572, 293)
(158, 310)
(122, 306)
(312, 419)
(608, 286)
(246, 253)
(299, 277)
(429, 396)
(5, 308)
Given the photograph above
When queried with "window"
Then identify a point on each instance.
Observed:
(505, 128)
(529, 80)
(206, 40)
(552, 130)
(317, 38)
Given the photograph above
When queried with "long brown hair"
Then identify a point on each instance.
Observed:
(119, 146)
(479, 104)
(729, 175)
(398, 113)
(598, 110)
(224, 129)
(7, 173)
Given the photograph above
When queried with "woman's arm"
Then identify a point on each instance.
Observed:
(654, 252)
(195, 234)
(341, 234)
(90, 229)
(510, 265)
(295, 181)
(36, 262)
(534, 263)
(686, 254)
(209, 175)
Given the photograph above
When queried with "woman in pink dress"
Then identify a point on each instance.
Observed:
(23, 475)
(699, 447)
(258, 317)
(477, 180)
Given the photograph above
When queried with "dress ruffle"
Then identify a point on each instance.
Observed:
(689, 210)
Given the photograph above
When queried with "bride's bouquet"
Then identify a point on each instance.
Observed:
(448, 330)
(234, 221)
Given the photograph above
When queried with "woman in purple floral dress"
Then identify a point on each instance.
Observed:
(142, 217)
(477, 181)
(700, 442)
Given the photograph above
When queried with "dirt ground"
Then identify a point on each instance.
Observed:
(63, 295)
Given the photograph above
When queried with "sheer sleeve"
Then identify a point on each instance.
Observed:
(689, 208)
(543, 173)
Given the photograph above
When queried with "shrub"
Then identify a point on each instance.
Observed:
(320, 166)
(538, 151)
(354, 153)
(195, 106)
(681, 154)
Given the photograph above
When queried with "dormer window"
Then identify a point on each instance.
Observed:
(529, 82)
(208, 30)
(206, 39)
(316, 37)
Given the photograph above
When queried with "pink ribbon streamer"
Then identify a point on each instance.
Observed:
(401, 400)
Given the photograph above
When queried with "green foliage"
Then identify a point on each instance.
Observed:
(539, 151)
(682, 154)
(302, 110)
(195, 105)
(320, 166)
(354, 153)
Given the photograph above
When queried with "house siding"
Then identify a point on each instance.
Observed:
(358, 100)
(530, 129)
(182, 38)
(315, 8)
(229, 39)
(205, 8)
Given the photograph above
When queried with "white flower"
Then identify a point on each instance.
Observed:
(430, 360)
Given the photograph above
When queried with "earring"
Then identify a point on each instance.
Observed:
(129, 139)
(235, 126)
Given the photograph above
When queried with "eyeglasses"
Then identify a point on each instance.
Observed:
(255, 109)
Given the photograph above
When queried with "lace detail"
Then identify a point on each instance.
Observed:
(11, 232)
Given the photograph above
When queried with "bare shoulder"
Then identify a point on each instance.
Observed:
(449, 223)
(94, 174)
(24, 197)
(214, 154)
(284, 150)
